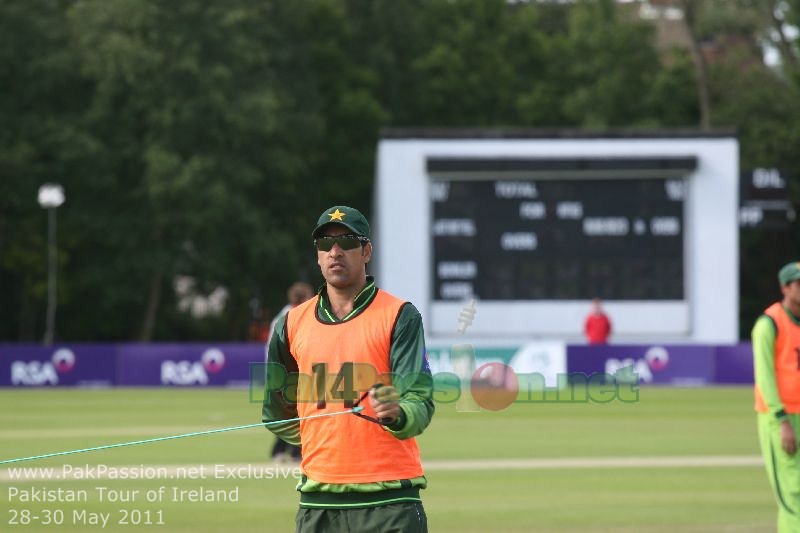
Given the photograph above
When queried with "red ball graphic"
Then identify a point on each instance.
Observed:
(494, 386)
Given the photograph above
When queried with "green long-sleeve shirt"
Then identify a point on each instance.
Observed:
(763, 337)
(406, 357)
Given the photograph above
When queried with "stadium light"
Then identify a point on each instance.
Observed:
(51, 196)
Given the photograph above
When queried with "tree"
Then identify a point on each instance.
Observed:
(198, 140)
(187, 118)
(44, 98)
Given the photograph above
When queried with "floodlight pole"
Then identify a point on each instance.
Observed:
(51, 276)
(51, 195)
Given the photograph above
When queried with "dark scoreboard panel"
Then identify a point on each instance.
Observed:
(558, 239)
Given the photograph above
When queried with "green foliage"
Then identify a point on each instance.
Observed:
(608, 61)
(766, 110)
(190, 82)
(202, 139)
(44, 97)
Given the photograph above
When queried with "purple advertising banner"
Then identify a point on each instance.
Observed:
(682, 365)
(187, 364)
(228, 364)
(70, 365)
(734, 364)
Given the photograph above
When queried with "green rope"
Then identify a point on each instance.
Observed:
(171, 437)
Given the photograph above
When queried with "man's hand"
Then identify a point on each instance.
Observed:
(788, 438)
(384, 401)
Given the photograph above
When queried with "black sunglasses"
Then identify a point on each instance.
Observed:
(345, 242)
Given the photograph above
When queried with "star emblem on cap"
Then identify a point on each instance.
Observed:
(336, 215)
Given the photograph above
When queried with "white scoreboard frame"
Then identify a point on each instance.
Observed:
(402, 235)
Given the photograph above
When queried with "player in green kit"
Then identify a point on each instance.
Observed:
(776, 353)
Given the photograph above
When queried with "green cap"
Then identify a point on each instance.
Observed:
(345, 216)
(789, 273)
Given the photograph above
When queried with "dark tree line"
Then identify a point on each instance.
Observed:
(198, 140)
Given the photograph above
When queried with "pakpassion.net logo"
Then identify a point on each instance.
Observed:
(493, 386)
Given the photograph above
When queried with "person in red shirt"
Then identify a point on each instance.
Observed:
(597, 327)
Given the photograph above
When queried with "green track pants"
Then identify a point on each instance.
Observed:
(783, 470)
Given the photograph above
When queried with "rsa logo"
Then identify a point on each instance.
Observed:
(193, 372)
(655, 360)
(39, 373)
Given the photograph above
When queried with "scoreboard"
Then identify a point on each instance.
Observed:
(565, 239)
(534, 224)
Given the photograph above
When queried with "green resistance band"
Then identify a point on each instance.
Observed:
(354, 410)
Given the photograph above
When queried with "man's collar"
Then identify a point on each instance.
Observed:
(362, 299)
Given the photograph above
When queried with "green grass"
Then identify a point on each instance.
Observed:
(665, 422)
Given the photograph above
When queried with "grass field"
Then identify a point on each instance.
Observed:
(679, 460)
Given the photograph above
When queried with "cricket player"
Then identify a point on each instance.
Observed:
(776, 352)
(361, 472)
